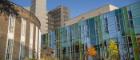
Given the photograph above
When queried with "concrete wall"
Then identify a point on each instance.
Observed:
(39, 9)
(89, 14)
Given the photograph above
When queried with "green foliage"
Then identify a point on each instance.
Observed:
(113, 50)
(7, 7)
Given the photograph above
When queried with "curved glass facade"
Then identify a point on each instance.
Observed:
(114, 35)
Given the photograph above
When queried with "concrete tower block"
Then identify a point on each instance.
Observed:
(39, 9)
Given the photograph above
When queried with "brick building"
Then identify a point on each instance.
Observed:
(20, 35)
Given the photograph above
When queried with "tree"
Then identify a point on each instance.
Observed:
(91, 51)
(113, 50)
(8, 7)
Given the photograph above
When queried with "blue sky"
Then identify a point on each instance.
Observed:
(77, 7)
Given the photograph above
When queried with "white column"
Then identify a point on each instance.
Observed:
(22, 39)
(36, 42)
(31, 41)
(39, 45)
(10, 38)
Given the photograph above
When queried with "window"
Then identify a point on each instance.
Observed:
(64, 50)
(106, 25)
(118, 22)
(9, 49)
(129, 14)
(22, 51)
(77, 48)
(129, 41)
(131, 23)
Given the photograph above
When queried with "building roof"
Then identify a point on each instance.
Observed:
(92, 13)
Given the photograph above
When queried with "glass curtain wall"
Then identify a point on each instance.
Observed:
(114, 35)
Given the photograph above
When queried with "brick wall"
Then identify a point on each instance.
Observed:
(17, 35)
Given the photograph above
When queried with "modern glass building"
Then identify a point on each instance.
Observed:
(114, 35)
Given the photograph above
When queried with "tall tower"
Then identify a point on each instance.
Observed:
(39, 9)
(57, 17)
